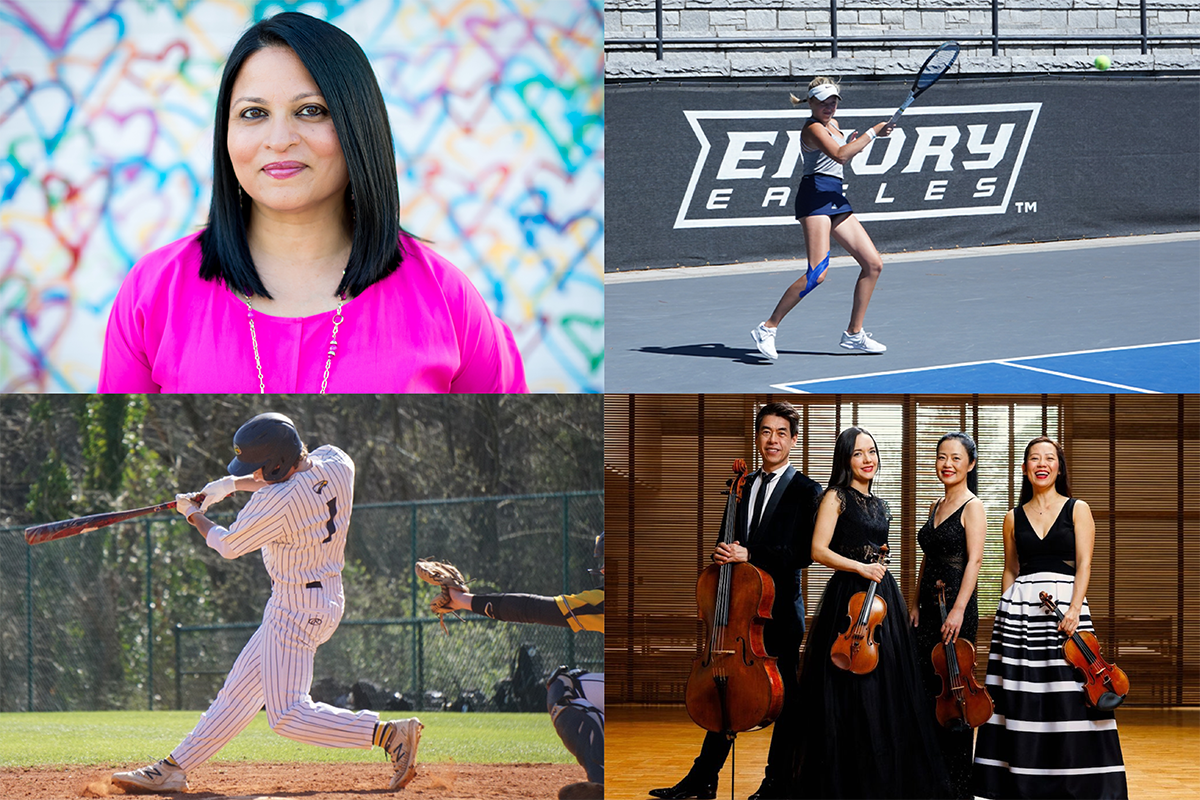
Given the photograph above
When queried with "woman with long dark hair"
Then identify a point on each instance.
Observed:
(865, 735)
(952, 542)
(303, 279)
(1044, 740)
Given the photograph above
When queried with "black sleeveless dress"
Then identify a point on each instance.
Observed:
(1044, 740)
(865, 736)
(945, 549)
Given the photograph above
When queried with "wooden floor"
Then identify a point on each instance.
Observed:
(651, 747)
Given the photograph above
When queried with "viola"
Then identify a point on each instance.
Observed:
(1105, 685)
(856, 648)
(963, 704)
(734, 686)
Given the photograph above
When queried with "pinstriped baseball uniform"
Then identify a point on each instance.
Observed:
(300, 525)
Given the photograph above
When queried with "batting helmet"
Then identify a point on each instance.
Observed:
(268, 442)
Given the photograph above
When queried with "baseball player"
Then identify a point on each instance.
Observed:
(574, 698)
(298, 517)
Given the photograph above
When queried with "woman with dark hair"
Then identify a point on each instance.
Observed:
(303, 246)
(952, 542)
(868, 735)
(1044, 740)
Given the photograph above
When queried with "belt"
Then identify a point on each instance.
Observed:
(313, 585)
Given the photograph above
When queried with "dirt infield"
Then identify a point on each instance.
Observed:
(340, 781)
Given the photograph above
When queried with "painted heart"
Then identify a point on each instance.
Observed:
(124, 137)
(151, 207)
(40, 109)
(48, 23)
(76, 207)
(157, 73)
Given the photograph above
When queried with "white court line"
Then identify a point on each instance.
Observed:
(786, 265)
(787, 386)
(1079, 378)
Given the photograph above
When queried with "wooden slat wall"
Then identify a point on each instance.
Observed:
(1134, 459)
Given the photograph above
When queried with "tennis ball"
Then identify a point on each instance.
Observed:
(1103, 62)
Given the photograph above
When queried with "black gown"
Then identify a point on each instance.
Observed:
(945, 549)
(866, 736)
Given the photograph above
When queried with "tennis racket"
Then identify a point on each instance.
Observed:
(937, 65)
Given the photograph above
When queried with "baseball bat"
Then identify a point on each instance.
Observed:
(36, 534)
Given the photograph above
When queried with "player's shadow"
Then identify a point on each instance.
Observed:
(738, 355)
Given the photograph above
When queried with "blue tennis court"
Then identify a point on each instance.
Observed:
(1066, 317)
(1167, 367)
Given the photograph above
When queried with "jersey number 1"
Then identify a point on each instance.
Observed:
(329, 525)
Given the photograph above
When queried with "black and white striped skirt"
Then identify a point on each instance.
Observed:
(1044, 740)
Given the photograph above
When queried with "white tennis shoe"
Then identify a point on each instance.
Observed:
(160, 777)
(401, 742)
(764, 340)
(861, 341)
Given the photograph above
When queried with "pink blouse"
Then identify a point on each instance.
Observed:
(424, 328)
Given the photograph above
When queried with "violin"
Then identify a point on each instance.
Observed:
(734, 685)
(856, 647)
(1105, 685)
(963, 704)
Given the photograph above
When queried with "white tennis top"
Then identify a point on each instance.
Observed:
(815, 160)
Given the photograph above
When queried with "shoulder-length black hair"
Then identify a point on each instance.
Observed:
(969, 445)
(345, 78)
(1061, 484)
(841, 476)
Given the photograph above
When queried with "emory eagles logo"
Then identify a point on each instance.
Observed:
(942, 161)
(317, 487)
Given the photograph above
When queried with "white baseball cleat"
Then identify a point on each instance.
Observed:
(400, 742)
(764, 339)
(160, 777)
(861, 341)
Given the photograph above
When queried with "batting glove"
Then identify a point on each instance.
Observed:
(185, 504)
(217, 491)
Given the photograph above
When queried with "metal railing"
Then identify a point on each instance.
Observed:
(996, 38)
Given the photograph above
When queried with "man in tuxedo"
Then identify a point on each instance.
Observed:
(774, 526)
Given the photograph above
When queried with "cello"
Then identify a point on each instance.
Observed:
(734, 685)
(1105, 685)
(856, 648)
(963, 704)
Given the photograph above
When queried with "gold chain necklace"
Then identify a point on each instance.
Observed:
(337, 320)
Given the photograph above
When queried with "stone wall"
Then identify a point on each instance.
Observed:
(937, 19)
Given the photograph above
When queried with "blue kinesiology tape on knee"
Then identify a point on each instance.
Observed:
(814, 276)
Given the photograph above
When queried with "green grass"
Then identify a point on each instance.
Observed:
(139, 737)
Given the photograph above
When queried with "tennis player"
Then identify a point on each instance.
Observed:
(824, 211)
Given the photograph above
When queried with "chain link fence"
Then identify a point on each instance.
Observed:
(142, 615)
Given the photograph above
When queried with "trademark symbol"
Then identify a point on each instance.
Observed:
(1026, 208)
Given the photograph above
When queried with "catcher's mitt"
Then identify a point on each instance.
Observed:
(447, 576)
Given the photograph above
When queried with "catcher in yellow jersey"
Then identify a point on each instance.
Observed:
(574, 698)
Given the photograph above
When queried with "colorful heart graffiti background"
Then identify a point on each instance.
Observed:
(106, 144)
